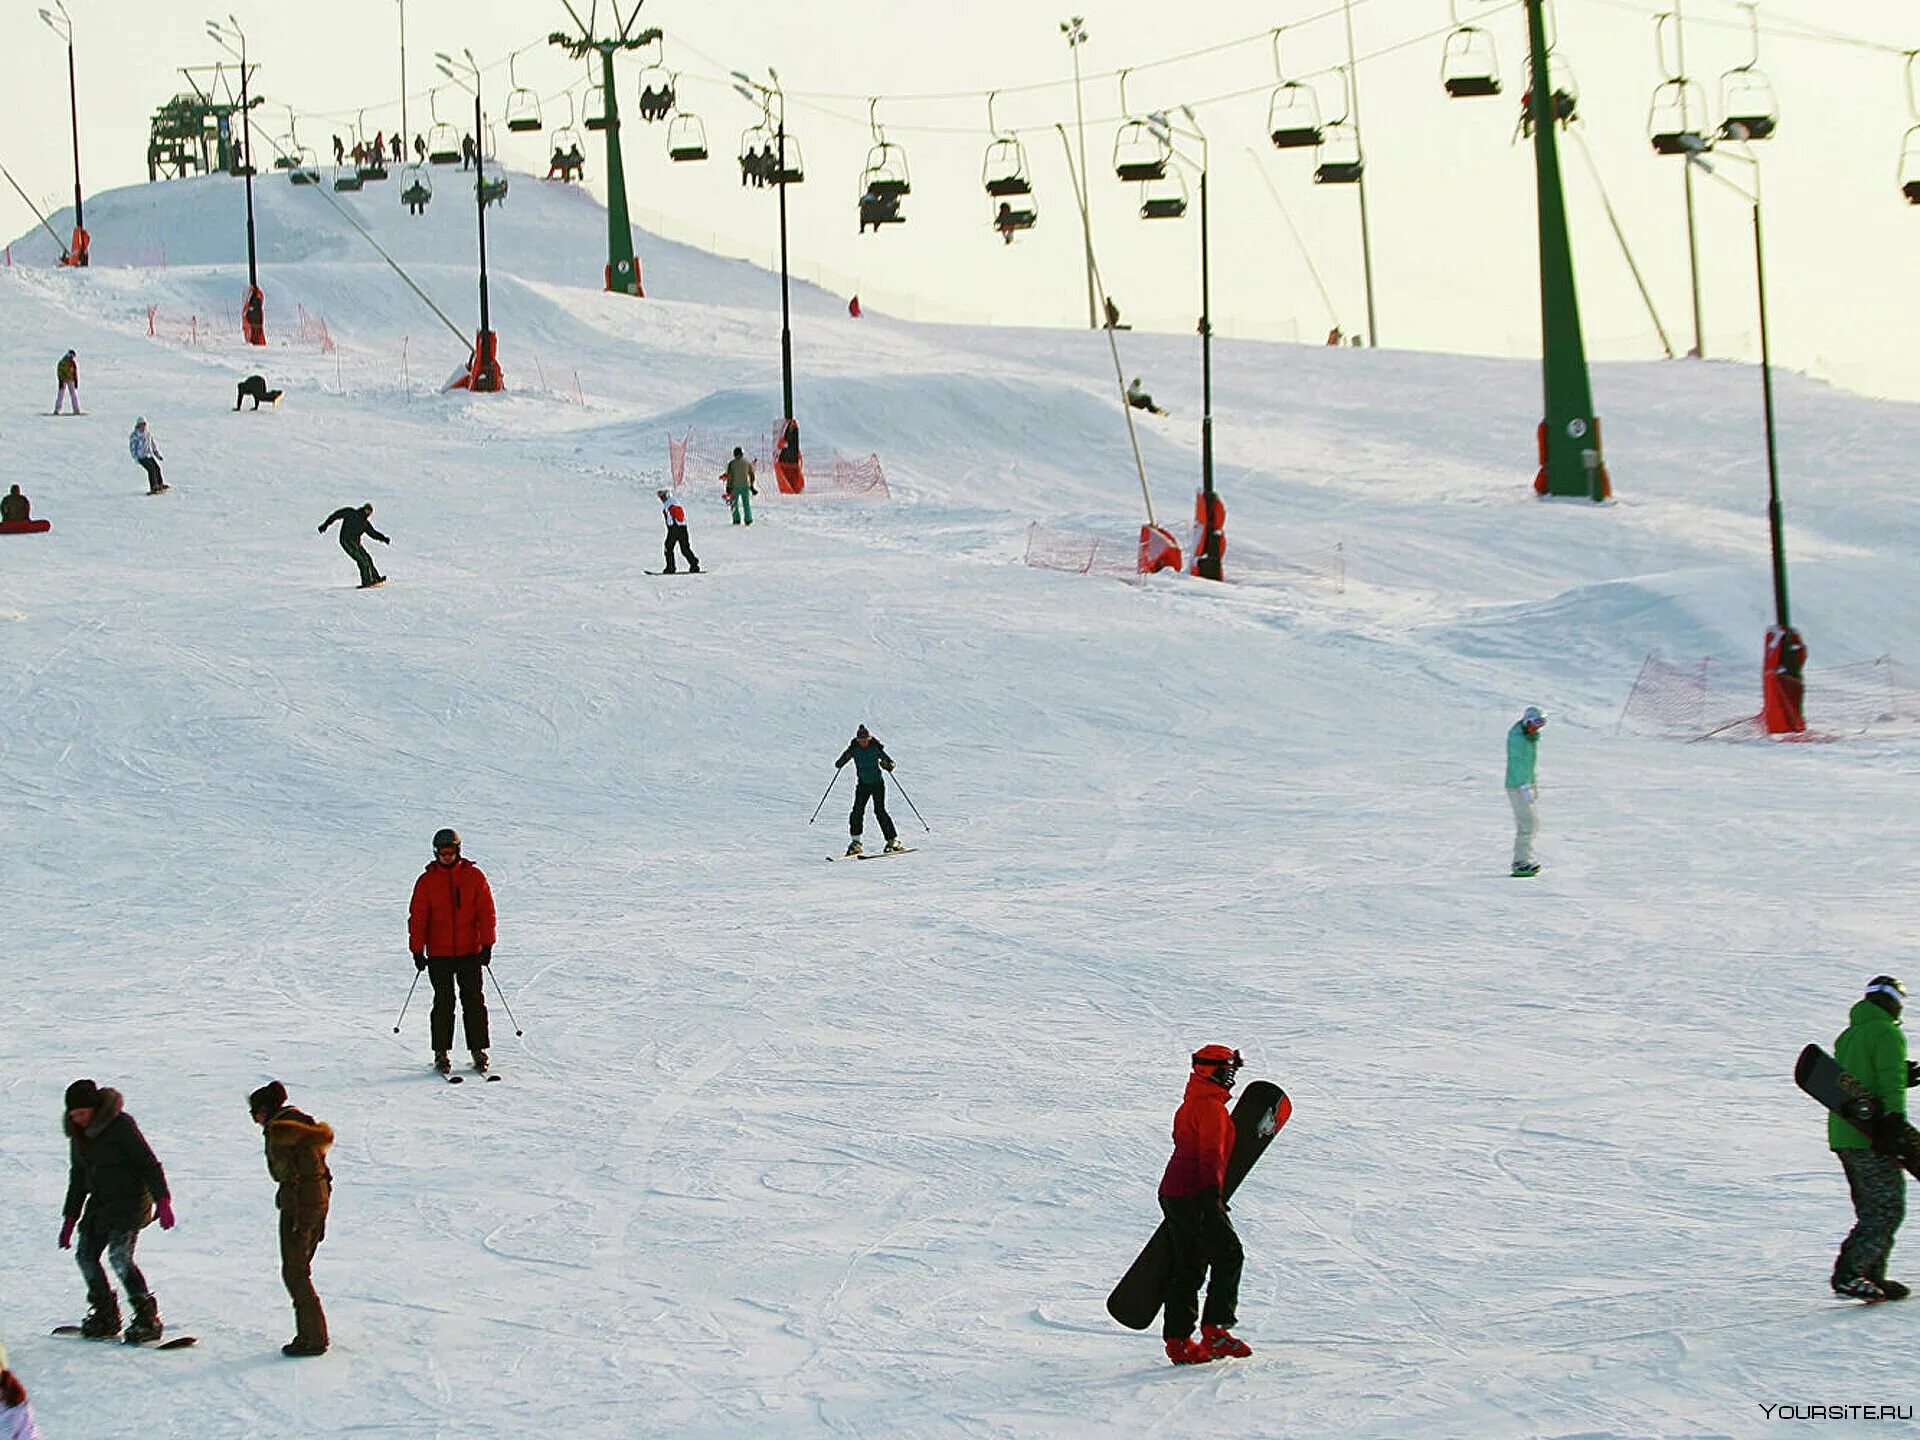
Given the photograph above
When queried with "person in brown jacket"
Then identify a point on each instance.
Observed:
(297, 1146)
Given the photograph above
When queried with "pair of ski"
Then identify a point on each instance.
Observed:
(877, 854)
(166, 1342)
(452, 1079)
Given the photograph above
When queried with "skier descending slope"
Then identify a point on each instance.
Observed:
(1193, 1200)
(1523, 759)
(115, 1188)
(1873, 1049)
(450, 928)
(869, 759)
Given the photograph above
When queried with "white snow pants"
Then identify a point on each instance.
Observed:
(68, 391)
(1526, 822)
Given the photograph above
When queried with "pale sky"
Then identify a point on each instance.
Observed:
(1451, 198)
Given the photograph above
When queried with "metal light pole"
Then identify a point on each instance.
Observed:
(484, 375)
(62, 25)
(1076, 32)
(1786, 651)
(253, 314)
(1360, 153)
(769, 97)
(405, 137)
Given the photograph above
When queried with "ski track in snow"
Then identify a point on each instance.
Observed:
(792, 1148)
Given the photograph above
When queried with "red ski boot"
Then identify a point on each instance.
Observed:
(1185, 1350)
(1220, 1344)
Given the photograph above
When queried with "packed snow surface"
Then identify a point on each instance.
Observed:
(792, 1148)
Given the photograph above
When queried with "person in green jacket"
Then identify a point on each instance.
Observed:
(1523, 758)
(740, 487)
(1873, 1049)
(870, 761)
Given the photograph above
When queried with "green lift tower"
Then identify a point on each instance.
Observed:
(623, 267)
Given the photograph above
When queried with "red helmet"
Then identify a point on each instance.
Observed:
(1220, 1062)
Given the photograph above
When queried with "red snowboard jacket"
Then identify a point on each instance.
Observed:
(1202, 1140)
(452, 911)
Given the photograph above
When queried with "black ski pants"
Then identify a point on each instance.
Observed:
(118, 1248)
(677, 535)
(155, 480)
(1203, 1239)
(1879, 1189)
(463, 970)
(877, 793)
(368, 575)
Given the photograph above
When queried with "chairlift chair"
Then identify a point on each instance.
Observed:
(345, 177)
(1009, 218)
(416, 186)
(304, 170)
(686, 137)
(1004, 172)
(595, 106)
(1140, 152)
(443, 144)
(1748, 105)
(1469, 69)
(1164, 198)
(795, 169)
(886, 171)
(1293, 111)
(1339, 161)
(657, 93)
(1671, 123)
(879, 208)
(1910, 165)
(523, 106)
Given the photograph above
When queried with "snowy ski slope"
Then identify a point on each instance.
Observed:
(802, 1149)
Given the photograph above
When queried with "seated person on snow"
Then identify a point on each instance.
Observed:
(15, 507)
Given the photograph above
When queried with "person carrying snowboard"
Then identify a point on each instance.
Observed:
(354, 524)
(115, 1189)
(16, 1415)
(1873, 1049)
(1523, 757)
(675, 514)
(67, 373)
(147, 455)
(1192, 1197)
(870, 761)
(450, 929)
(297, 1146)
(740, 487)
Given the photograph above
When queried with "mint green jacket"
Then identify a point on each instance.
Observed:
(1523, 753)
(1872, 1049)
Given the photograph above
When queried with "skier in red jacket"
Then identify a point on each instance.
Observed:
(450, 931)
(1192, 1197)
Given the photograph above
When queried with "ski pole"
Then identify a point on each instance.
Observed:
(503, 1001)
(408, 1001)
(911, 806)
(823, 797)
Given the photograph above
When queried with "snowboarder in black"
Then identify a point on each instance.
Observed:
(675, 514)
(115, 1189)
(1873, 1049)
(354, 523)
(869, 759)
(254, 388)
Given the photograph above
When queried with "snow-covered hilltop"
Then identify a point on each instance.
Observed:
(792, 1148)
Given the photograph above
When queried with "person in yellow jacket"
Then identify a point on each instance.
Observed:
(297, 1146)
(740, 487)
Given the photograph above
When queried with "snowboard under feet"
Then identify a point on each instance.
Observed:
(165, 1342)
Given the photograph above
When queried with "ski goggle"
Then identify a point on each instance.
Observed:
(1218, 1055)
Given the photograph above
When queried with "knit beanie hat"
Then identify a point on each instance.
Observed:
(82, 1095)
(267, 1099)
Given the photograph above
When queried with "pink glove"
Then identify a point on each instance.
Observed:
(164, 1209)
(66, 1233)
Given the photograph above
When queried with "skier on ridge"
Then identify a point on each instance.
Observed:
(1873, 1049)
(1523, 758)
(870, 760)
(1193, 1200)
(450, 929)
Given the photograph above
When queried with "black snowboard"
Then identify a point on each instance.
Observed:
(1263, 1108)
(166, 1342)
(1820, 1075)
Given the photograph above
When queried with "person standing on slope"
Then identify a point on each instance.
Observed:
(147, 456)
(740, 487)
(1873, 1049)
(1193, 1199)
(870, 761)
(297, 1146)
(16, 1415)
(1523, 758)
(450, 929)
(354, 524)
(67, 373)
(675, 514)
(115, 1188)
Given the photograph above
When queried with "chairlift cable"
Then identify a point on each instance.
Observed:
(1305, 254)
(1606, 202)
